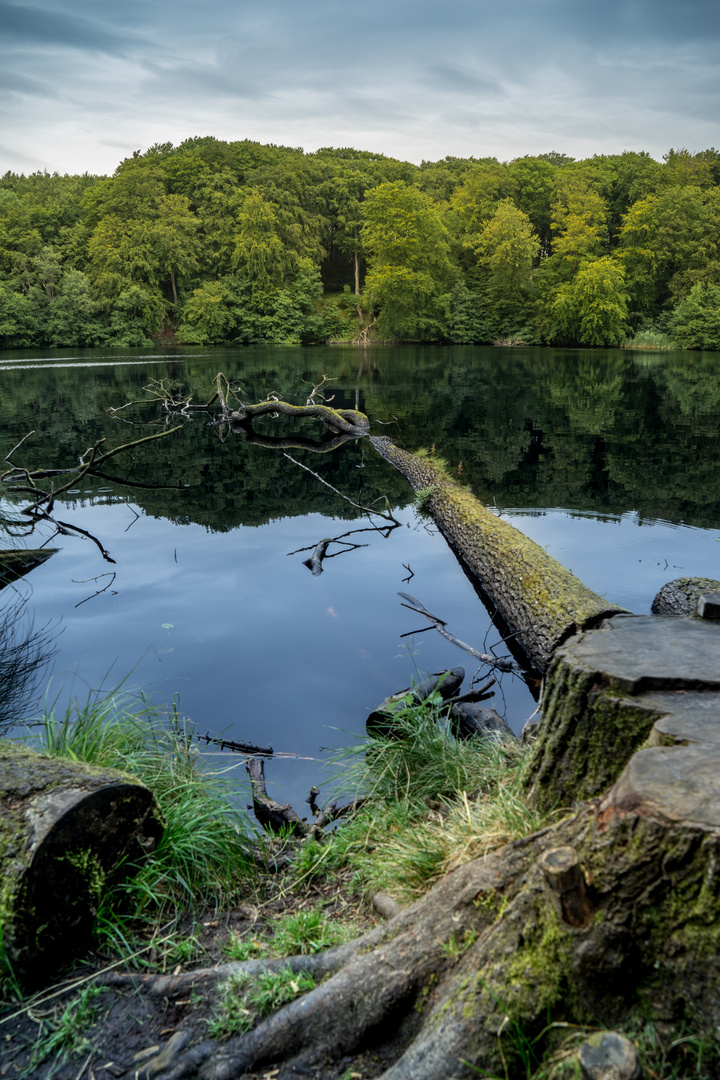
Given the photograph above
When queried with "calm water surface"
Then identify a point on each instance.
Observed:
(609, 459)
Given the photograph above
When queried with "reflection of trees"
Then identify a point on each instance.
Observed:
(603, 431)
(696, 386)
(24, 656)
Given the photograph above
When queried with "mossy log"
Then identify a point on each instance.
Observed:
(680, 597)
(343, 421)
(65, 828)
(16, 562)
(539, 600)
(460, 980)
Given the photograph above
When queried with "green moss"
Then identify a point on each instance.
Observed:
(91, 869)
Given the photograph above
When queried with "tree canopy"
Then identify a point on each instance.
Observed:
(214, 242)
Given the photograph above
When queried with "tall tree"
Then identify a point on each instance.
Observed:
(410, 272)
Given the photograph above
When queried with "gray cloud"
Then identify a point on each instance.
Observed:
(412, 78)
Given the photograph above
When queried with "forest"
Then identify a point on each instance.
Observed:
(214, 242)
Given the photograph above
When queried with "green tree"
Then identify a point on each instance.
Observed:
(592, 308)
(506, 249)
(695, 320)
(579, 216)
(670, 242)
(410, 272)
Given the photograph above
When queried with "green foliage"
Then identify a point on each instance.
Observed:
(695, 320)
(410, 269)
(305, 933)
(214, 239)
(419, 821)
(592, 308)
(202, 857)
(245, 999)
(69, 1034)
(506, 249)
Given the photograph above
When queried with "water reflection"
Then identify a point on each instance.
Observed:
(590, 453)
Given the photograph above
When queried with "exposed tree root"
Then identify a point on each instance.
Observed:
(489, 951)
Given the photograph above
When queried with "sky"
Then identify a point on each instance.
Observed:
(84, 83)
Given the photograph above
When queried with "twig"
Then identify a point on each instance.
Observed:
(237, 747)
(387, 516)
(439, 624)
(111, 574)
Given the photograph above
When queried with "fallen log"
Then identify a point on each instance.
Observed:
(343, 421)
(539, 600)
(66, 829)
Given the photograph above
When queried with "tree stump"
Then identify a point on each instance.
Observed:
(65, 829)
(608, 690)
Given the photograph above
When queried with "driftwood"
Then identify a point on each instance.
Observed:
(541, 601)
(273, 816)
(65, 828)
(281, 818)
(343, 421)
(380, 721)
(470, 720)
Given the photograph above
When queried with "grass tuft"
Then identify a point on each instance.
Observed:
(245, 999)
(433, 803)
(202, 859)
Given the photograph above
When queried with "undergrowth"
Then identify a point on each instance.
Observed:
(202, 859)
(245, 999)
(433, 802)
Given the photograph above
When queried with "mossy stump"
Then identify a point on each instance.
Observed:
(65, 829)
(609, 691)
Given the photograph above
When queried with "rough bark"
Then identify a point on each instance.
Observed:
(541, 601)
(344, 421)
(65, 827)
(609, 690)
(680, 597)
(488, 953)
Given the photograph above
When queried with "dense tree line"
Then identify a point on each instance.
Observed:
(214, 242)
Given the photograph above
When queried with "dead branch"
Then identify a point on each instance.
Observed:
(236, 747)
(345, 421)
(386, 516)
(501, 663)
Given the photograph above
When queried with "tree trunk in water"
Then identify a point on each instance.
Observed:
(64, 829)
(536, 596)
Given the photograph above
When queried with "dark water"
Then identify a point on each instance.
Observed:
(610, 459)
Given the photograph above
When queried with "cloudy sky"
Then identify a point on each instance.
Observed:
(83, 83)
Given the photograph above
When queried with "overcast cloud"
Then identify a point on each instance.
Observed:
(83, 83)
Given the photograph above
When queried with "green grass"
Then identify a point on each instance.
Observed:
(433, 802)
(554, 1053)
(294, 935)
(649, 339)
(69, 1035)
(201, 861)
(246, 999)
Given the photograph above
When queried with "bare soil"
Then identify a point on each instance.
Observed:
(132, 1026)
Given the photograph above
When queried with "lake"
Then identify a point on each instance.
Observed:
(609, 459)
